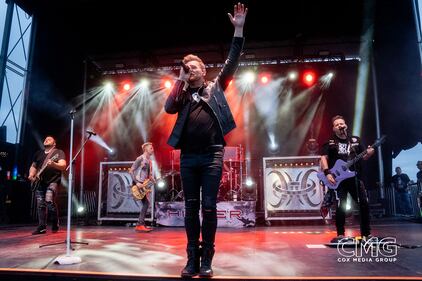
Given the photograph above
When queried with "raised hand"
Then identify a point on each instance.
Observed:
(239, 15)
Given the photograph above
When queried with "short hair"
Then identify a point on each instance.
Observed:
(191, 57)
(337, 117)
(419, 163)
(144, 146)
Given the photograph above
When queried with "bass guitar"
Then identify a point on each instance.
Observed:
(38, 177)
(139, 192)
(341, 169)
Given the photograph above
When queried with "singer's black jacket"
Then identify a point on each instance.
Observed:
(213, 95)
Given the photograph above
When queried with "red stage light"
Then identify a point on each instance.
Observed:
(309, 78)
(167, 84)
(264, 79)
(126, 87)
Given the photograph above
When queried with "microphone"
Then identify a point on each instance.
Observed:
(185, 67)
(91, 132)
(343, 130)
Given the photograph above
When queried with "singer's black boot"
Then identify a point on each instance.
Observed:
(206, 261)
(192, 266)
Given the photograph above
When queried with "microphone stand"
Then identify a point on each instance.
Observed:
(90, 134)
(68, 258)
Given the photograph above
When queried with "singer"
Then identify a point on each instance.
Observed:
(204, 118)
(345, 147)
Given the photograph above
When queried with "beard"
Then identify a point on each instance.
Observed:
(47, 146)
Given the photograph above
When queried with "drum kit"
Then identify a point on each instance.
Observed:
(231, 179)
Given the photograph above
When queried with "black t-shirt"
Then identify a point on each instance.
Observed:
(201, 129)
(344, 149)
(50, 174)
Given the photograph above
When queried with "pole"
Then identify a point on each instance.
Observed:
(68, 259)
(378, 128)
(82, 172)
(5, 44)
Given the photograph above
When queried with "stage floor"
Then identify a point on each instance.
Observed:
(260, 252)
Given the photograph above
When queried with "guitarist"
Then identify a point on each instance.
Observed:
(343, 147)
(48, 183)
(141, 171)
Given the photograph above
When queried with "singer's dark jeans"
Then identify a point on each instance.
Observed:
(349, 186)
(201, 170)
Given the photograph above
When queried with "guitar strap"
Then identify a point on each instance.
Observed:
(47, 157)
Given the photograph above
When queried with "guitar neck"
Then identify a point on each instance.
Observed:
(356, 159)
(41, 170)
(377, 143)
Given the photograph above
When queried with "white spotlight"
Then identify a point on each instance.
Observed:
(80, 209)
(249, 77)
(111, 152)
(249, 182)
(330, 75)
(161, 183)
(144, 83)
(292, 75)
(273, 145)
(108, 86)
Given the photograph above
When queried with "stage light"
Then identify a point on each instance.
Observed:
(309, 78)
(80, 209)
(167, 84)
(264, 79)
(161, 184)
(231, 82)
(249, 77)
(108, 86)
(325, 80)
(249, 190)
(292, 75)
(126, 86)
(273, 146)
(249, 182)
(144, 83)
(15, 172)
(349, 204)
(111, 153)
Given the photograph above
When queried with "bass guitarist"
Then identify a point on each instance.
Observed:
(141, 172)
(45, 174)
(344, 147)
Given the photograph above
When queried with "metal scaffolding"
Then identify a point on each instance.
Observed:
(14, 62)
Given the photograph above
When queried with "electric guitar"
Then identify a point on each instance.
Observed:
(340, 171)
(37, 181)
(139, 193)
